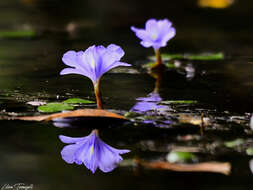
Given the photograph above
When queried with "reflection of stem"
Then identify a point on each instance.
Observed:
(158, 82)
(158, 58)
(202, 124)
(157, 73)
(98, 94)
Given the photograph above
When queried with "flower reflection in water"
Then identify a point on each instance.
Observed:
(149, 103)
(149, 109)
(92, 152)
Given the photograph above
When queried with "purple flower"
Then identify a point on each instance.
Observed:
(93, 62)
(156, 33)
(92, 152)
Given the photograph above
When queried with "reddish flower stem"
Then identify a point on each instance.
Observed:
(98, 94)
(158, 58)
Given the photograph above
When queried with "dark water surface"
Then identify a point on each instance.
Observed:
(30, 66)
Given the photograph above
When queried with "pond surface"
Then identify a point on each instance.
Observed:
(30, 63)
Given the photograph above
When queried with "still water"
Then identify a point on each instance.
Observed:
(30, 66)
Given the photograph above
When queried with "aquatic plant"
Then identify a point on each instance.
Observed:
(92, 152)
(156, 34)
(93, 63)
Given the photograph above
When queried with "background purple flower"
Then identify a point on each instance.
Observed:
(156, 33)
(93, 62)
(92, 152)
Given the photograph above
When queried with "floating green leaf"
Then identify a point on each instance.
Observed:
(172, 56)
(249, 151)
(54, 107)
(170, 65)
(179, 102)
(234, 143)
(131, 115)
(148, 65)
(17, 34)
(78, 101)
(205, 57)
(167, 57)
(176, 156)
(199, 57)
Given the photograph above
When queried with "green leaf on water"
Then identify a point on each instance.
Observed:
(234, 143)
(131, 115)
(170, 65)
(249, 151)
(148, 65)
(78, 101)
(55, 107)
(172, 56)
(197, 57)
(179, 102)
(152, 64)
(176, 156)
(167, 57)
(205, 57)
(17, 34)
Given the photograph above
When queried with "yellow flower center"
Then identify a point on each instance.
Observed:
(92, 62)
(91, 149)
(154, 36)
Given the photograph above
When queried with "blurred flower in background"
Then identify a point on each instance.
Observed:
(217, 4)
(156, 34)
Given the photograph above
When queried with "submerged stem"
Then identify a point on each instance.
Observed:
(202, 125)
(98, 94)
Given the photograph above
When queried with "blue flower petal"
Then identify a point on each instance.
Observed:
(92, 152)
(68, 153)
(94, 61)
(156, 33)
